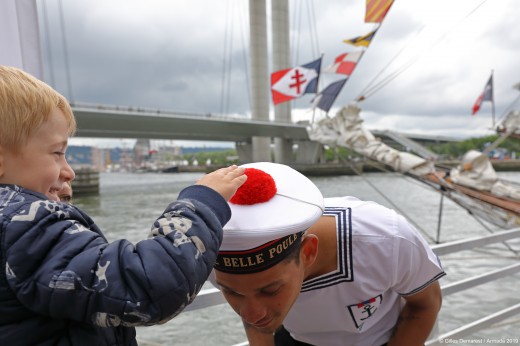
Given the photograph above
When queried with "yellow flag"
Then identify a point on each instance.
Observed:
(361, 41)
(376, 10)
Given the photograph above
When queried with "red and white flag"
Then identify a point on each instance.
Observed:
(293, 82)
(345, 63)
(487, 95)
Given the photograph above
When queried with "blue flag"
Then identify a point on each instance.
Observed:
(327, 96)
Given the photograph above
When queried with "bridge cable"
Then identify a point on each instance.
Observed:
(296, 29)
(65, 51)
(223, 93)
(311, 17)
(245, 44)
(233, 7)
(48, 44)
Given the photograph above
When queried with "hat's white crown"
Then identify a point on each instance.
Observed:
(296, 206)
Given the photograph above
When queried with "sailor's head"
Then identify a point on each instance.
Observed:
(265, 250)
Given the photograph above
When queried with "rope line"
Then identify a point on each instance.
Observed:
(414, 59)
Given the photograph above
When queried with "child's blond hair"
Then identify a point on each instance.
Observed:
(26, 103)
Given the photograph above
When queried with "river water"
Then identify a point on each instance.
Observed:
(129, 203)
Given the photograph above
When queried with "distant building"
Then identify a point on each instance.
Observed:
(130, 159)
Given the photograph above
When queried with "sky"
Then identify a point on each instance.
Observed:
(192, 56)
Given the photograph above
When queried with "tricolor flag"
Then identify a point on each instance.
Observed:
(327, 96)
(487, 95)
(345, 63)
(293, 82)
(362, 41)
(376, 10)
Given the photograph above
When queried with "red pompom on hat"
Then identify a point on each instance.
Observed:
(274, 202)
(258, 188)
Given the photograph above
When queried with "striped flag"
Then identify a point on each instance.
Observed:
(293, 82)
(325, 99)
(376, 10)
(362, 41)
(345, 63)
(486, 95)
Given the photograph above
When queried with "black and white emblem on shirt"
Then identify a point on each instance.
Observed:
(364, 310)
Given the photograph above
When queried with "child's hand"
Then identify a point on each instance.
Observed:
(225, 181)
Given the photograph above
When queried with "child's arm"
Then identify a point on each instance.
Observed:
(61, 265)
(225, 181)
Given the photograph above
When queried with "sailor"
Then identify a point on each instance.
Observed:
(303, 270)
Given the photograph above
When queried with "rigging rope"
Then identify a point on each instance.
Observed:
(506, 110)
(369, 88)
(395, 206)
(457, 202)
(414, 59)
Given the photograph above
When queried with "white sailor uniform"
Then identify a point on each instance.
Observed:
(381, 258)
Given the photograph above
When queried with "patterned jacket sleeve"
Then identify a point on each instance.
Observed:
(59, 264)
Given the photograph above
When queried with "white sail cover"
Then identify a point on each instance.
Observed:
(476, 171)
(512, 122)
(346, 130)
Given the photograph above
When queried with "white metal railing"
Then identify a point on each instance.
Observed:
(468, 244)
(212, 296)
(483, 323)
(205, 298)
(477, 325)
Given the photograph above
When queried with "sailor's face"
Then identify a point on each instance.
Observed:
(263, 299)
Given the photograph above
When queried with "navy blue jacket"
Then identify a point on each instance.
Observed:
(62, 283)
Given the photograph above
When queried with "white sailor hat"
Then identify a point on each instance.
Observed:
(268, 214)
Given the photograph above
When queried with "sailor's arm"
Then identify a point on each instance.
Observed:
(417, 318)
(258, 338)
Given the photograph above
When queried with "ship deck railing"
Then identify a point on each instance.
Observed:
(212, 296)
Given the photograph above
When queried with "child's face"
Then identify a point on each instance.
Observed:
(40, 165)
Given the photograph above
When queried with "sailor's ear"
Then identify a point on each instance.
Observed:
(309, 249)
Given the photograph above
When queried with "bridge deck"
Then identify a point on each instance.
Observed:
(115, 122)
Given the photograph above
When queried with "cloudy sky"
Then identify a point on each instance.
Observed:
(192, 56)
